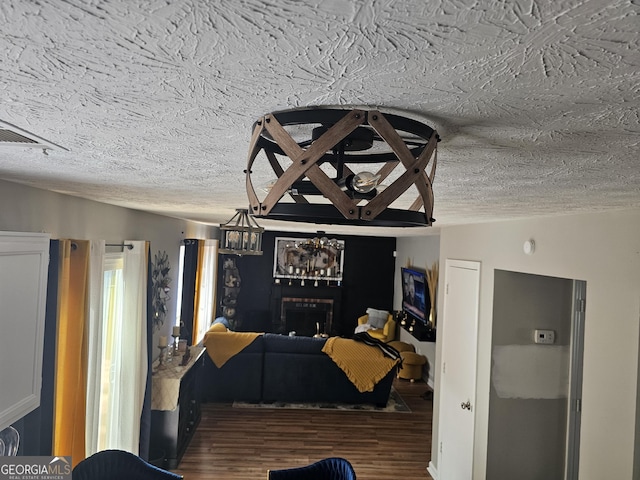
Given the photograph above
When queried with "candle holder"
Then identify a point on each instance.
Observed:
(161, 365)
(175, 344)
(186, 357)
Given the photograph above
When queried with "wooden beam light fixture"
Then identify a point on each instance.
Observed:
(317, 155)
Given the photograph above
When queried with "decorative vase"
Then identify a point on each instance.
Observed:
(432, 318)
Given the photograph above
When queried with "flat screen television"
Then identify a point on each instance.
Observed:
(415, 295)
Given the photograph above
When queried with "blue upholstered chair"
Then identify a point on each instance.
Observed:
(119, 465)
(333, 468)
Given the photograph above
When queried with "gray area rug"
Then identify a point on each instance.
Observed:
(394, 405)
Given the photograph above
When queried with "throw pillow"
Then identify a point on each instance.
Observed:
(218, 327)
(221, 320)
(377, 318)
(363, 328)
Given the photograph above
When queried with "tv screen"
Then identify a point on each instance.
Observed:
(415, 296)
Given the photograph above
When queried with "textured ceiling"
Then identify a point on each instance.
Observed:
(536, 102)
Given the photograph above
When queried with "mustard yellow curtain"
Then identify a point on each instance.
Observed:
(71, 351)
(205, 289)
(197, 311)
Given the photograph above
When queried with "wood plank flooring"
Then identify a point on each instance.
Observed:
(242, 444)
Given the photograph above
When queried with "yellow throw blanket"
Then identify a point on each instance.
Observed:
(221, 346)
(363, 364)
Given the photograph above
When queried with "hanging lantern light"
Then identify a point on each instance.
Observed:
(241, 235)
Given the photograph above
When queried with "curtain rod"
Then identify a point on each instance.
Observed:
(121, 245)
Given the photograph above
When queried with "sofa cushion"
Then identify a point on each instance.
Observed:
(298, 377)
(286, 344)
(239, 379)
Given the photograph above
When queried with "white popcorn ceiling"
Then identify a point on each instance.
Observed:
(536, 101)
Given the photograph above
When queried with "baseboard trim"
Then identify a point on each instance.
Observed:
(433, 471)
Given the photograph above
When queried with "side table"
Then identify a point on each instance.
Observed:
(175, 406)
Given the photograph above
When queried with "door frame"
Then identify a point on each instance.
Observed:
(574, 421)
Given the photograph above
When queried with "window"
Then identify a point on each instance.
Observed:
(117, 368)
(111, 365)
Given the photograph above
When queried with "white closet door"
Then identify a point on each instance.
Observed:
(458, 385)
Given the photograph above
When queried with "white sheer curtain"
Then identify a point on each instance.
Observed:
(97, 262)
(117, 347)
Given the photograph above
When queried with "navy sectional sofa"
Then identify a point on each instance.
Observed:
(279, 368)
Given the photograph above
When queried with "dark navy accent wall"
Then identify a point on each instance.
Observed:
(368, 281)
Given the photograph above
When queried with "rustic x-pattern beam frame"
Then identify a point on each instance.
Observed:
(305, 163)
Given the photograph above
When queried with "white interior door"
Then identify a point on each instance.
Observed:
(458, 381)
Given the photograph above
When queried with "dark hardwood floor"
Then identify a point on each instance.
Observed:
(242, 444)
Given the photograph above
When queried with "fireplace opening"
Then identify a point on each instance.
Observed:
(306, 316)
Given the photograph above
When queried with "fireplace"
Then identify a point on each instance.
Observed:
(306, 316)
(299, 308)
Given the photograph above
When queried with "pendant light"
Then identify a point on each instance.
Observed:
(241, 235)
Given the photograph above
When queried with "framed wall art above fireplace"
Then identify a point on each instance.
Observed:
(317, 258)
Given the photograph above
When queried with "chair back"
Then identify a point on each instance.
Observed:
(119, 465)
(333, 468)
(9, 442)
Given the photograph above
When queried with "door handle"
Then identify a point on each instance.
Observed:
(466, 405)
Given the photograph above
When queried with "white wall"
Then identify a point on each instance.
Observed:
(603, 250)
(25, 209)
(420, 252)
